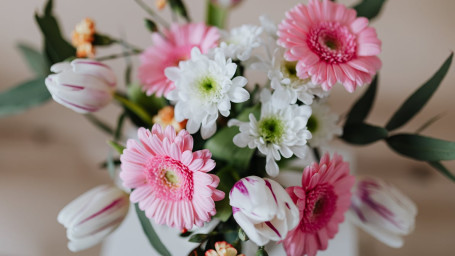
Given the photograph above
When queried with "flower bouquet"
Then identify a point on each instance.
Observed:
(208, 144)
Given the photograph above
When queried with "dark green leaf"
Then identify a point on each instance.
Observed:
(150, 233)
(363, 134)
(362, 107)
(102, 40)
(137, 110)
(178, 7)
(117, 146)
(442, 169)
(35, 59)
(216, 16)
(242, 235)
(150, 25)
(22, 97)
(429, 122)
(369, 8)
(422, 148)
(198, 238)
(56, 47)
(99, 124)
(151, 103)
(261, 251)
(186, 234)
(419, 98)
(228, 177)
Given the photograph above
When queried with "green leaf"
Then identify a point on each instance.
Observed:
(242, 235)
(22, 97)
(216, 16)
(135, 109)
(362, 107)
(369, 8)
(261, 251)
(363, 134)
(117, 146)
(228, 177)
(429, 122)
(422, 148)
(151, 103)
(35, 59)
(419, 98)
(56, 47)
(442, 169)
(150, 233)
(150, 25)
(198, 238)
(102, 40)
(179, 8)
(99, 124)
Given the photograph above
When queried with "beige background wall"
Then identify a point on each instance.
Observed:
(50, 155)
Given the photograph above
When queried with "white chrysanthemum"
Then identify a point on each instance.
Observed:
(279, 132)
(240, 42)
(287, 85)
(323, 125)
(203, 86)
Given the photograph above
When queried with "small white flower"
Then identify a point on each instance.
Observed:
(287, 85)
(263, 209)
(382, 211)
(279, 132)
(203, 86)
(82, 85)
(93, 216)
(239, 43)
(323, 124)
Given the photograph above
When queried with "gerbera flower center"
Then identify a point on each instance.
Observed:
(332, 42)
(320, 206)
(312, 124)
(271, 129)
(171, 180)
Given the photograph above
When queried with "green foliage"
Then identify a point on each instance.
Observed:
(36, 61)
(216, 16)
(228, 177)
(150, 233)
(419, 98)
(443, 170)
(24, 96)
(117, 146)
(179, 8)
(362, 107)
(136, 112)
(363, 134)
(102, 40)
(150, 25)
(57, 49)
(198, 238)
(369, 8)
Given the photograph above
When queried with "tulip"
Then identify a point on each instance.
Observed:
(382, 211)
(82, 85)
(263, 209)
(93, 216)
(226, 3)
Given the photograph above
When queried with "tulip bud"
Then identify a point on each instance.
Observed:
(263, 209)
(82, 85)
(93, 216)
(382, 211)
(226, 3)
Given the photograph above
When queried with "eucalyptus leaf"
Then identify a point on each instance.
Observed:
(363, 134)
(24, 96)
(442, 169)
(422, 148)
(419, 98)
(362, 107)
(36, 61)
(153, 238)
(369, 8)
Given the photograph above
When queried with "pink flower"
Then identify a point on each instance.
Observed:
(330, 44)
(323, 199)
(169, 50)
(170, 182)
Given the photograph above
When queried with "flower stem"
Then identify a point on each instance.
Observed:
(152, 13)
(100, 124)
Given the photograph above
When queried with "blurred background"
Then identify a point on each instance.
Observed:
(50, 155)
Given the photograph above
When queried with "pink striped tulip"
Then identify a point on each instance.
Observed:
(93, 216)
(82, 85)
(263, 209)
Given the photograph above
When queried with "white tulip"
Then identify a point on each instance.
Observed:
(382, 211)
(82, 85)
(93, 216)
(263, 209)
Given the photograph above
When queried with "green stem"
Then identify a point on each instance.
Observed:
(133, 107)
(152, 13)
(118, 130)
(100, 124)
(216, 16)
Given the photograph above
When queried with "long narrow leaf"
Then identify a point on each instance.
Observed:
(419, 98)
(442, 169)
(152, 236)
(136, 109)
(35, 59)
(422, 148)
(363, 134)
(369, 8)
(362, 107)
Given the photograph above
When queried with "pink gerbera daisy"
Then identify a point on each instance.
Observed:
(323, 199)
(169, 50)
(330, 44)
(170, 182)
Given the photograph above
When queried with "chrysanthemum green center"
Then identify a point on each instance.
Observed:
(271, 129)
(207, 86)
(312, 124)
(289, 69)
